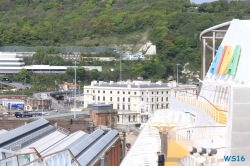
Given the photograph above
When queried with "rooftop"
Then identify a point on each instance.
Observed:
(100, 106)
(133, 84)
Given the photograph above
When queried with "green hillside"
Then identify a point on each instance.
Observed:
(172, 25)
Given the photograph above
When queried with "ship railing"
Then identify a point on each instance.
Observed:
(17, 159)
(201, 133)
(212, 110)
(59, 158)
(204, 160)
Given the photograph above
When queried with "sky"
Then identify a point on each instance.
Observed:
(201, 1)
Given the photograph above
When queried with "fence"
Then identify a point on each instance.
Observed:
(63, 49)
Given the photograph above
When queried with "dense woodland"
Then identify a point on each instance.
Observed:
(172, 25)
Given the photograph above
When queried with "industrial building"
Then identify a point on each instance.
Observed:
(12, 63)
(40, 143)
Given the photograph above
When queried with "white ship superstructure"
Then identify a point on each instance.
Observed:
(212, 128)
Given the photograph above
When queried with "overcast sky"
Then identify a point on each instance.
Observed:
(201, 1)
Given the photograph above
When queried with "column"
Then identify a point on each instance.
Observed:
(164, 141)
(204, 59)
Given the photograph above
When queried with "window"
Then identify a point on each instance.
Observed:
(98, 91)
(123, 92)
(128, 99)
(110, 98)
(93, 91)
(152, 93)
(123, 99)
(162, 99)
(104, 91)
(110, 92)
(141, 99)
(98, 98)
(157, 106)
(161, 92)
(118, 92)
(93, 97)
(123, 107)
(118, 98)
(167, 92)
(87, 91)
(157, 99)
(129, 93)
(142, 93)
(166, 98)
(103, 98)
(135, 93)
(118, 106)
(134, 118)
(129, 107)
(152, 99)
(157, 92)
(152, 106)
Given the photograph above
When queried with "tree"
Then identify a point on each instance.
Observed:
(23, 75)
(80, 73)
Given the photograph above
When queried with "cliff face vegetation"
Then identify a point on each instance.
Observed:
(172, 25)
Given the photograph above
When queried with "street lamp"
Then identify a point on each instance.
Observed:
(177, 72)
(75, 93)
(79, 90)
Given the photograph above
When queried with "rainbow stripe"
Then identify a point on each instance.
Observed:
(226, 60)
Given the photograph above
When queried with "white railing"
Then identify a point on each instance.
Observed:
(219, 116)
(197, 160)
(201, 132)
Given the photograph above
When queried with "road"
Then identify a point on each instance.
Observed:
(16, 85)
(64, 115)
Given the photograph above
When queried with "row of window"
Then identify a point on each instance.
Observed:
(118, 92)
(157, 99)
(153, 106)
(128, 99)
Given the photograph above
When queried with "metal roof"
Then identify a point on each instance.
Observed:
(86, 142)
(9, 136)
(74, 137)
(100, 106)
(94, 150)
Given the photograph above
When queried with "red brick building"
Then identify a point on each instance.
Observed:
(31, 104)
(103, 115)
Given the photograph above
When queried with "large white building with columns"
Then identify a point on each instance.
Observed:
(128, 97)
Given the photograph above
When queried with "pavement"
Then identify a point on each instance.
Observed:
(16, 84)
(53, 114)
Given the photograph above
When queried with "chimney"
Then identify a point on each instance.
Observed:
(111, 82)
(100, 82)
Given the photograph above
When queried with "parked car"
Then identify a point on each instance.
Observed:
(26, 114)
(18, 114)
(46, 114)
(35, 114)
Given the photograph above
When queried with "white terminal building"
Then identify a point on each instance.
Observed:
(131, 97)
(12, 63)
